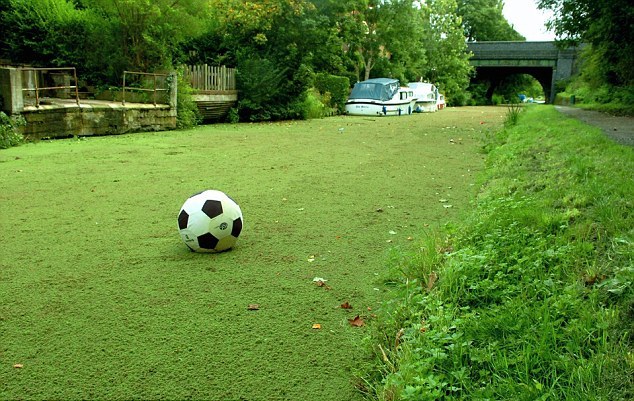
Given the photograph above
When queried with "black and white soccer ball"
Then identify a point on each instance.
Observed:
(210, 221)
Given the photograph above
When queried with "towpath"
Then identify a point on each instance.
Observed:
(619, 128)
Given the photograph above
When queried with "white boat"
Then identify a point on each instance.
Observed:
(441, 101)
(380, 97)
(426, 96)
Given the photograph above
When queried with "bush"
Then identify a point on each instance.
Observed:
(313, 105)
(9, 135)
(337, 87)
(261, 86)
(187, 111)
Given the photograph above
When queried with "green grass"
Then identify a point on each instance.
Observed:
(99, 298)
(531, 296)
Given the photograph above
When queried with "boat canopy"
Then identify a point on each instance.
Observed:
(377, 88)
(424, 91)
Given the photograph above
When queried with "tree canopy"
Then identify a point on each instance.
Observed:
(607, 26)
(483, 20)
(278, 46)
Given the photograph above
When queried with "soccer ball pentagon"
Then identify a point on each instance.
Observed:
(210, 222)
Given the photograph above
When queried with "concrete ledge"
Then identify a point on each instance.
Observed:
(63, 118)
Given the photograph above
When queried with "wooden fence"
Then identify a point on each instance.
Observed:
(211, 78)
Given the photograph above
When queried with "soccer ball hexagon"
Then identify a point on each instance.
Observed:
(210, 221)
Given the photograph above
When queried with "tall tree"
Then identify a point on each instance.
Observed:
(483, 20)
(149, 33)
(48, 32)
(274, 44)
(448, 66)
(382, 32)
(607, 25)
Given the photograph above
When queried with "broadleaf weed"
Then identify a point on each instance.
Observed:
(536, 293)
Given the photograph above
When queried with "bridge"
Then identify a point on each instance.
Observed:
(494, 61)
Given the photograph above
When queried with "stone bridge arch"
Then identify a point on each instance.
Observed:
(494, 61)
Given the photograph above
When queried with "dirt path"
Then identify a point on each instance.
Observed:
(620, 129)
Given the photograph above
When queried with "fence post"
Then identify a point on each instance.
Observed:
(123, 90)
(173, 93)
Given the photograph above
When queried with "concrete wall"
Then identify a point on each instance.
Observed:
(11, 90)
(96, 119)
(214, 105)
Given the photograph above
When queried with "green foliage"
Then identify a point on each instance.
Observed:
(261, 86)
(187, 110)
(98, 37)
(336, 87)
(513, 112)
(606, 25)
(9, 134)
(591, 90)
(483, 20)
(49, 32)
(448, 65)
(314, 105)
(531, 297)
(233, 117)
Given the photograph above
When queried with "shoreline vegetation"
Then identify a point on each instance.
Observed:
(531, 295)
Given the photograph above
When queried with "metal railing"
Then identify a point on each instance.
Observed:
(154, 90)
(38, 88)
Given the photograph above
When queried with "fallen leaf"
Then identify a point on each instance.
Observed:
(410, 238)
(356, 322)
(345, 305)
(317, 326)
(253, 307)
(322, 284)
(18, 366)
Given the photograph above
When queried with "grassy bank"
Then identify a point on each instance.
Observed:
(531, 296)
(100, 299)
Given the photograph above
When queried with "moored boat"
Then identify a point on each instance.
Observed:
(441, 101)
(380, 96)
(426, 96)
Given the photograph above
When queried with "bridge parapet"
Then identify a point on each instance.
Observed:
(513, 50)
(543, 60)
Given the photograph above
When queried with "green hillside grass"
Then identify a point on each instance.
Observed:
(531, 296)
(100, 299)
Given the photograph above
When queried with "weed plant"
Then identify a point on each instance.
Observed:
(513, 112)
(529, 298)
(9, 134)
